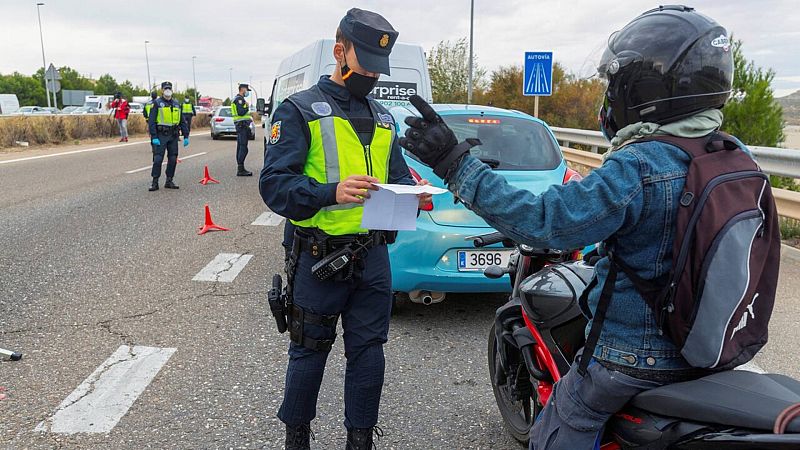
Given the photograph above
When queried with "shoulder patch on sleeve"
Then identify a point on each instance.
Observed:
(240, 101)
(275, 133)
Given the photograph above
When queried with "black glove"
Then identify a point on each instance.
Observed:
(432, 141)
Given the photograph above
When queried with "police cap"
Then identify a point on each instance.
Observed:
(372, 36)
(166, 85)
(244, 85)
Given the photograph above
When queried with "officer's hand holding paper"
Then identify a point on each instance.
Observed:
(394, 206)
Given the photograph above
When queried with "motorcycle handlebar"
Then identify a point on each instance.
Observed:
(488, 239)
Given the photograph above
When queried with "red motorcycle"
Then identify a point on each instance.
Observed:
(537, 334)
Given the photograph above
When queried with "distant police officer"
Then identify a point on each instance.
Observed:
(327, 147)
(187, 111)
(149, 105)
(166, 123)
(242, 119)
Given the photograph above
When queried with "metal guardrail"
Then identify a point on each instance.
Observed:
(775, 161)
(784, 162)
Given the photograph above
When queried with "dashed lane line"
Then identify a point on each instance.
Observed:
(164, 164)
(98, 403)
(73, 152)
(268, 219)
(224, 268)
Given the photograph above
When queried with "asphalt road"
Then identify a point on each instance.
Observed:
(91, 261)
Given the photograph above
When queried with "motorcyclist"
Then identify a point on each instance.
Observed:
(669, 72)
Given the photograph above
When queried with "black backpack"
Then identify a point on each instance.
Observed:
(716, 302)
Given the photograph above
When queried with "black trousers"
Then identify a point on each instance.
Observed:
(169, 145)
(188, 119)
(242, 136)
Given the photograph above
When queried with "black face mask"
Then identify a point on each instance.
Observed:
(359, 85)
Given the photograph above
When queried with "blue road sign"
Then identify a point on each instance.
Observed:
(538, 78)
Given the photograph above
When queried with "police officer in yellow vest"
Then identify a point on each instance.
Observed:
(240, 111)
(146, 112)
(166, 123)
(327, 146)
(187, 110)
(149, 105)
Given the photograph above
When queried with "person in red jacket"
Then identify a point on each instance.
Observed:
(121, 111)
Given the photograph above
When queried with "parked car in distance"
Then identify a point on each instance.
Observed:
(437, 259)
(85, 110)
(136, 108)
(32, 110)
(222, 124)
(69, 109)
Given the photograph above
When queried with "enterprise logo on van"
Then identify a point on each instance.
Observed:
(392, 90)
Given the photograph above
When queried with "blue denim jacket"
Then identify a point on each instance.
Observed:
(632, 197)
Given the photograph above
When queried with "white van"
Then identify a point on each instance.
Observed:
(9, 103)
(303, 69)
(98, 101)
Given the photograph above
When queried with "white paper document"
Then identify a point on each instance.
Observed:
(394, 207)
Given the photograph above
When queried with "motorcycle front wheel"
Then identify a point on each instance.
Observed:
(518, 415)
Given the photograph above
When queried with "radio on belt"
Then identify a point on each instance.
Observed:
(333, 263)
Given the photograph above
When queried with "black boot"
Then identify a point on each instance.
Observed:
(361, 438)
(243, 172)
(298, 437)
(170, 185)
(154, 185)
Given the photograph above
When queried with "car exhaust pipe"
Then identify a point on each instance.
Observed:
(426, 298)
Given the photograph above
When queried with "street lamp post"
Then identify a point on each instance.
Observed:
(194, 79)
(147, 58)
(44, 63)
(471, 26)
(230, 71)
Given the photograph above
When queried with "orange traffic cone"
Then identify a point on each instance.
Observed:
(210, 225)
(207, 178)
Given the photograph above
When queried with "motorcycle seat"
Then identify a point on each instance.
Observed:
(736, 398)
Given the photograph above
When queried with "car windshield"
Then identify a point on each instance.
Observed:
(507, 143)
(224, 112)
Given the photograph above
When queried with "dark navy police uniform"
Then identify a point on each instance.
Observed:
(364, 300)
(241, 117)
(166, 122)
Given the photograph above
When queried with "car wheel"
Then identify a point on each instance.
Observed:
(252, 137)
(214, 136)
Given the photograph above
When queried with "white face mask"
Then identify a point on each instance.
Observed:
(167, 93)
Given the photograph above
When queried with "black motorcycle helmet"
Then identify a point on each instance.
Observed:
(154, 95)
(667, 64)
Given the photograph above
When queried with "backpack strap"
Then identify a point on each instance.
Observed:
(695, 147)
(599, 315)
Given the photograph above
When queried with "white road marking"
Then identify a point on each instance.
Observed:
(73, 152)
(268, 219)
(165, 162)
(223, 268)
(751, 367)
(105, 397)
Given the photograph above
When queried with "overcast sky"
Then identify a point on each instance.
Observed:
(252, 37)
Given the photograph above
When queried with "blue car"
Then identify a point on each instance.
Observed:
(436, 259)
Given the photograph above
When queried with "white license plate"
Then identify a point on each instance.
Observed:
(474, 260)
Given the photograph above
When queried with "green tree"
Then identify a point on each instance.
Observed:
(574, 103)
(29, 90)
(752, 114)
(448, 65)
(227, 102)
(106, 85)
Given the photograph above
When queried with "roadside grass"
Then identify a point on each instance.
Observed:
(66, 129)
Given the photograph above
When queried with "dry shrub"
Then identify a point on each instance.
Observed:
(56, 129)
